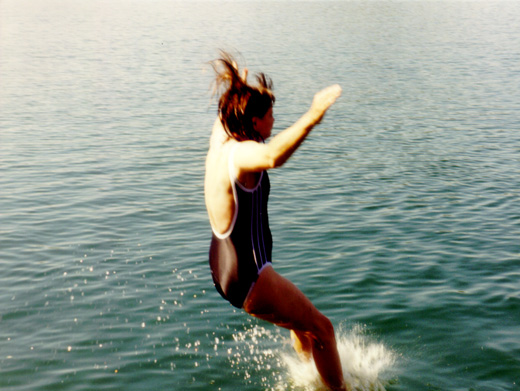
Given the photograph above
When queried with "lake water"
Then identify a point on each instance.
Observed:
(399, 217)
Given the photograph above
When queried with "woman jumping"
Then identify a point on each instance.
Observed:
(236, 192)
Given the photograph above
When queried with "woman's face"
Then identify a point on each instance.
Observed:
(264, 125)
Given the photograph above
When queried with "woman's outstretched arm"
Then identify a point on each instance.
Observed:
(253, 156)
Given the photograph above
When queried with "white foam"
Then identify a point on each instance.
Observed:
(264, 357)
(366, 364)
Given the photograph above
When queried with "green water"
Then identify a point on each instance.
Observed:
(399, 217)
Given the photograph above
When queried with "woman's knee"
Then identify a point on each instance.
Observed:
(323, 330)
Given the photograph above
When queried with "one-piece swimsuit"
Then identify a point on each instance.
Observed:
(238, 256)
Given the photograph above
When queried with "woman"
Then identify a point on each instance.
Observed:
(236, 191)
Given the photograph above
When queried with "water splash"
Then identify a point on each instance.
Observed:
(253, 355)
(264, 357)
(366, 364)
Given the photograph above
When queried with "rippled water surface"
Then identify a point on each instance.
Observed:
(399, 217)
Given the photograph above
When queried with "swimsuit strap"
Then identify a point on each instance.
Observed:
(233, 178)
(234, 183)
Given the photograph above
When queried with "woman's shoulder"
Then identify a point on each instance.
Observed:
(219, 149)
(219, 138)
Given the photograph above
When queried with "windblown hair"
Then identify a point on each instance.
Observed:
(240, 102)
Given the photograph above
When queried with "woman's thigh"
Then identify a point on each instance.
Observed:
(276, 299)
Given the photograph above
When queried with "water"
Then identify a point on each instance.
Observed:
(399, 218)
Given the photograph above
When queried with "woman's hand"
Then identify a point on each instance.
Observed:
(253, 156)
(323, 100)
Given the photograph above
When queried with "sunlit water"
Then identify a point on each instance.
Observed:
(399, 218)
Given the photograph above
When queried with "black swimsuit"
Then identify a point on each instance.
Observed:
(238, 256)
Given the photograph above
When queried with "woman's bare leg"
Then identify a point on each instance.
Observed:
(302, 344)
(277, 300)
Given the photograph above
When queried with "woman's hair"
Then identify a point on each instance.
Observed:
(240, 102)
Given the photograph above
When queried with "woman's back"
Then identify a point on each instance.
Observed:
(218, 192)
